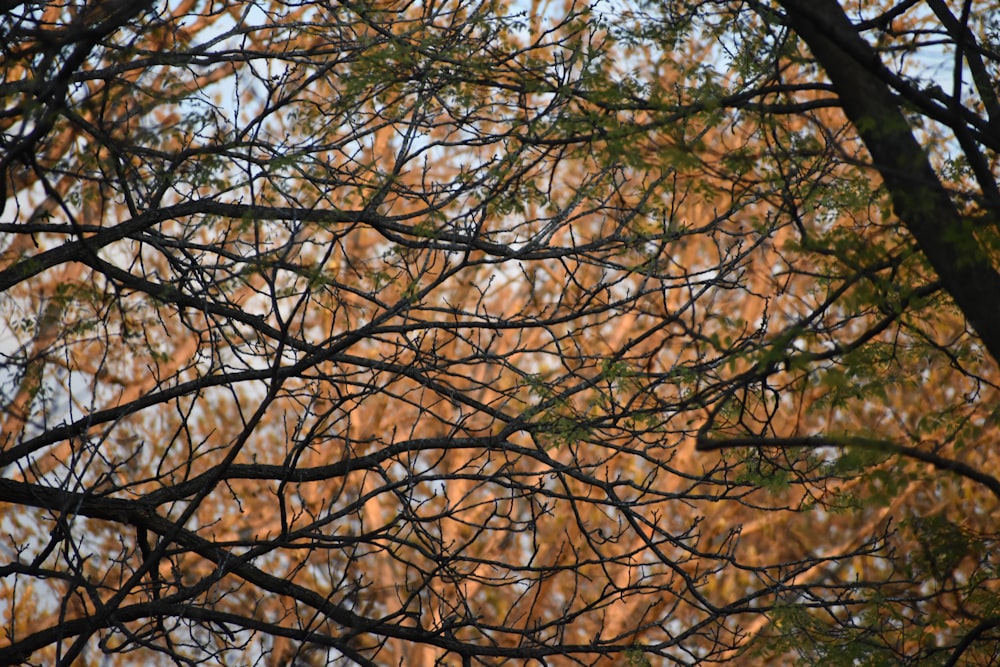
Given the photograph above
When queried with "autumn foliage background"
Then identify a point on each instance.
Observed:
(463, 333)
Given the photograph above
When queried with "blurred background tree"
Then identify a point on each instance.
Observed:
(473, 334)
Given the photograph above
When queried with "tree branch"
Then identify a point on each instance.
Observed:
(707, 444)
(918, 196)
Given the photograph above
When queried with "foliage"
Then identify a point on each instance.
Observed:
(465, 333)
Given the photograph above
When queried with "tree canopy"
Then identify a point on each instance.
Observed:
(471, 333)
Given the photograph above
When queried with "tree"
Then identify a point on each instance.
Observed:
(394, 333)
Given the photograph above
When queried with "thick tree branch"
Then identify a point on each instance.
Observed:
(918, 196)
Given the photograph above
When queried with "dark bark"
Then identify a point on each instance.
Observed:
(919, 198)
